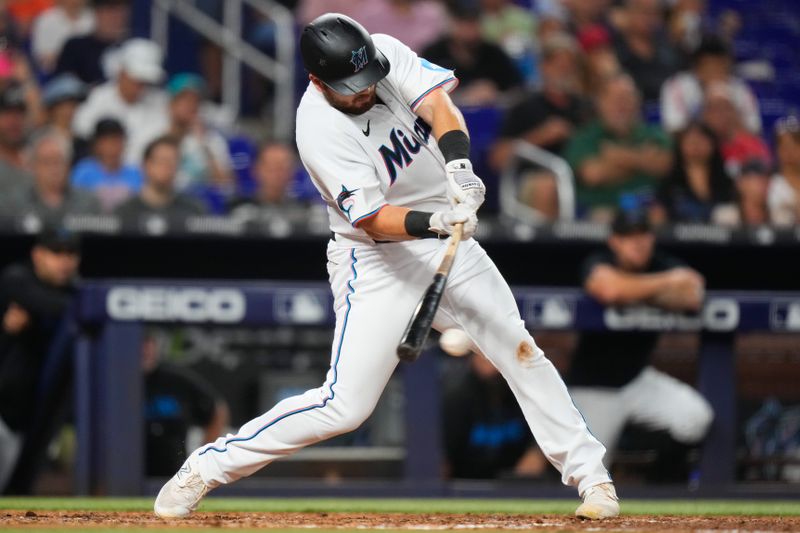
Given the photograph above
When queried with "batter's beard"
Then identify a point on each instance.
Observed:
(359, 106)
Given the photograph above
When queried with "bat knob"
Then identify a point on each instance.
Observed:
(407, 353)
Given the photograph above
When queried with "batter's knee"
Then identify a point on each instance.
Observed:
(694, 422)
(345, 417)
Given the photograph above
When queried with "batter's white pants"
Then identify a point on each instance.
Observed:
(654, 400)
(376, 289)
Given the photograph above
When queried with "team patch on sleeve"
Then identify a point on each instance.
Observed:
(345, 200)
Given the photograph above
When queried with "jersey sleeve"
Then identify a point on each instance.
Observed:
(344, 175)
(414, 76)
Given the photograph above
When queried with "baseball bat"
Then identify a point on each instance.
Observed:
(419, 326)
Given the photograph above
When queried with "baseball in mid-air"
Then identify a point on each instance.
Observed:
(455, 342)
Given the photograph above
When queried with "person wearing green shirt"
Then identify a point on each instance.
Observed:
(618, 154)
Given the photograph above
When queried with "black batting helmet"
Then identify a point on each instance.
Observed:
(340, 52)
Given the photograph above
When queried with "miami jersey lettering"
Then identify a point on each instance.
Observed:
(387, 155)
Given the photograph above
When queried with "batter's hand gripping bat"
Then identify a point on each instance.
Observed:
(419, 326)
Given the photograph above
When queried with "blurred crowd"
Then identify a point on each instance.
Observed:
(640, 97)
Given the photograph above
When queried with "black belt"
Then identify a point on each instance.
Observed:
(431, 236)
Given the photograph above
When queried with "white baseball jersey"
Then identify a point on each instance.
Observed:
(359, 164)
(388, 155)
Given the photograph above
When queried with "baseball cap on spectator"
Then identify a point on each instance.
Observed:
(141, 60)
(107, 127)
(186, 81)
(754, 166)
(59, 240)
(594, 37)
(12, 98)
(710, 45)
(63, 88)
(630, 222)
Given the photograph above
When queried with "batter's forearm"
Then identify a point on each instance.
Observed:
(389, 224)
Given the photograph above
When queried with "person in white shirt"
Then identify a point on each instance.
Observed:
(783, 197)
(682, 95)
(132, 97)
(205, 157)
(51, 29)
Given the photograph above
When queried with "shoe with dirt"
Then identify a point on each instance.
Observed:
(182, 493)
(599, 502)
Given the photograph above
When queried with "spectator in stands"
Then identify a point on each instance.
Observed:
(643, 51)
(61, 97)
(752, 186)
(546, 118)
(574, 15)
(682, 96)
(54, 27)
(158, 195)
(12, 142)
(738, 144)
(483, 69)
(610, 379)
(89, 57)
(50, 197)
(176, 399)
(513, 28)
(274, 172)
(205, 159)
(9, 28)
(416, 22)
(33, 298)
(308, 10)
(599, 58)
(617, 154)
(26, 11)
(784, 190)
(131, 97)
(485, 434)
(698, 189)
(104, 173)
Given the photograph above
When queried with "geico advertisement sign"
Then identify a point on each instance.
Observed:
(188, 304)
(718, 314)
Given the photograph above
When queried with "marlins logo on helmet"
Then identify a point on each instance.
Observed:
(359, 59)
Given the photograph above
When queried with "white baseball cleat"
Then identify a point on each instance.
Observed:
(599, 501)
(180, 495)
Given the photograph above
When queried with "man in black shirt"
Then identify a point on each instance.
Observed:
(86, 56)
(176, 399)
(485, 433)
(158, 205)
(611, 380)
(484, 70)
(547, 119)
(33, 299)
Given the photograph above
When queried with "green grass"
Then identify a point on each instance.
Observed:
(630, 507)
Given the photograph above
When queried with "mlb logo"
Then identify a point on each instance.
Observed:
(359, 58)
(551, 312)
(785, 315)
(303, 307)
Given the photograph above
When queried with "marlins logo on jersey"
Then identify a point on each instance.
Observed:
(345, 200)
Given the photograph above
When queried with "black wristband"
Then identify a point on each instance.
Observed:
(417, 224)
(454, 145)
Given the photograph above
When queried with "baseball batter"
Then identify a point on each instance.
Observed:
(389, 153)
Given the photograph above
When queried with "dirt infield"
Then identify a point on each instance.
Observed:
(361, 521)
